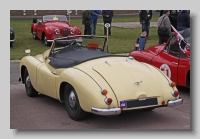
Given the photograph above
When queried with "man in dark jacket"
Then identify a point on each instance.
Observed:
(107, 18)
(145, 17)
(86, 20)
(183, 20)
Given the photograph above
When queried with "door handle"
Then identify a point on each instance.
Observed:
(174, 63)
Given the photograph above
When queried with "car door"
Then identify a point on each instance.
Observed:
(168, 60)
(46, 80)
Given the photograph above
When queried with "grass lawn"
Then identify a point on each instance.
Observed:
(121, 41)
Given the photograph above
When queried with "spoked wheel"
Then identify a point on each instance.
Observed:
(72, 105)
(45, 41)
(30, 91)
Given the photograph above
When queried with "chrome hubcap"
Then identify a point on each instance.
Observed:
(28, 81)
(72, 99)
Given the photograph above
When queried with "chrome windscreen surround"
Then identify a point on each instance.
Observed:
(72, 31)
(106, 112)
(177, 102)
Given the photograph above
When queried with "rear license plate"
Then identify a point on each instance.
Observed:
(139, 102)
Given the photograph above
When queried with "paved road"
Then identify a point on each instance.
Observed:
(43, 112)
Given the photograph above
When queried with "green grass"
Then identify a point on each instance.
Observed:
(122, 40)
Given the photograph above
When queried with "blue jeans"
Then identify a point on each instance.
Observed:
(146, 26)
(180, 28)
(93, 27)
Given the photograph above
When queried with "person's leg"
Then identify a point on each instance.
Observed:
(109, 29)
(160, 39)
(165, 39)
(143, 25)
(85, 30)
(88, 31)
(147, 27)
(94, 27)
(104, 28)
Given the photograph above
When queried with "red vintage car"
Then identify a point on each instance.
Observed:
(52, 26)
(173, 58)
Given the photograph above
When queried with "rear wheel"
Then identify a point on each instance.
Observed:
(30, 91)
(72, 105)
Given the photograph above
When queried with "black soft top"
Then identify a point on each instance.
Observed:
(70, 56)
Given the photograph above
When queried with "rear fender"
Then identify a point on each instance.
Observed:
(88, 91)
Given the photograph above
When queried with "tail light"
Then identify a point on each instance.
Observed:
(175, 93)
(104, 92)
(172, 84)
(108, 101)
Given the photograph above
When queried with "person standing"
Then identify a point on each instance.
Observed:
(164, 22)
(107, 18)
(183, 20)
(86, 21)
(172, 17)
(145, 17)
(94, 18)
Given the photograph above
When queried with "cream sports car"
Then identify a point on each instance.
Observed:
(78, 71)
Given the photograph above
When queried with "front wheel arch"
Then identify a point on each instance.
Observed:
(62, 90)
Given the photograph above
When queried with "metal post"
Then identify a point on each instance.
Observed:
(107, 25)
(35, 12)
(24, 12)
(69, 12)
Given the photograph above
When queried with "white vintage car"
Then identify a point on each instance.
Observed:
(77, 71)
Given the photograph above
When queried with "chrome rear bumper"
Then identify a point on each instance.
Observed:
(106, 112)
(172, 103)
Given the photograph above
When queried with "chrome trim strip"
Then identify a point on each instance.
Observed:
(177, 102)
(106, 112)
(49, 40)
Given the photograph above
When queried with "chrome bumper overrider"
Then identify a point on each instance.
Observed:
(112, 111)
(12, 40)
(172, 103)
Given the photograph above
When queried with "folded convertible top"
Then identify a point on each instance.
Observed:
(70, 56)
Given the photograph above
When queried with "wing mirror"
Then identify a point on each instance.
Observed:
(28, 51)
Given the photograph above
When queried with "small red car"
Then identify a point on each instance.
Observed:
(52, 26)
(173, 58)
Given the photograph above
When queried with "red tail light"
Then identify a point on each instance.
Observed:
(108, 101)
(175, 93)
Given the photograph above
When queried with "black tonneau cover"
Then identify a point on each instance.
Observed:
(70, 56)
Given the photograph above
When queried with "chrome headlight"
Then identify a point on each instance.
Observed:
(57, 31)
(71, 31)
